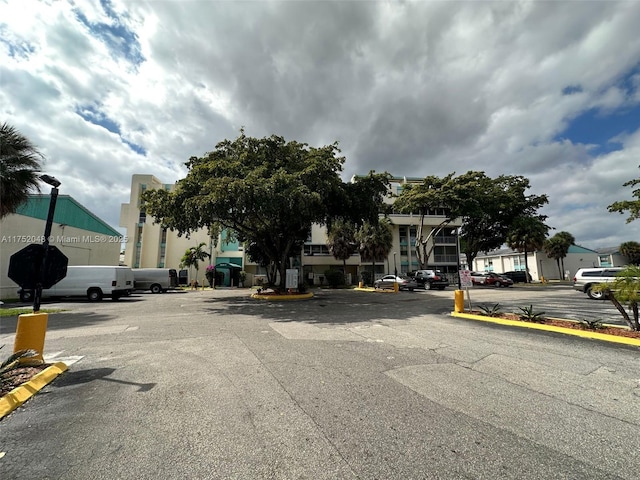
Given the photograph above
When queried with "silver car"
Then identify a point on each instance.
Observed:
(587, 278)
(404, 282)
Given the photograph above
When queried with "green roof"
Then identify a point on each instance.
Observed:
(579, 249)
(68, 212)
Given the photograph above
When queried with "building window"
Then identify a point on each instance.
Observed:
(163, 248)
(605, 260)
(518, 263)
(316, 249)
(143, 188)
(445, 254)
(142, 217)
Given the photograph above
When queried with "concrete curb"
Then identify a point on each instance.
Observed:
(551, 328)
(304, 296)
(24, 392)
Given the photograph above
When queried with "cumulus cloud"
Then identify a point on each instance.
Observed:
(109, 89)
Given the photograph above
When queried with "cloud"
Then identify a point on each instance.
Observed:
(414, 88)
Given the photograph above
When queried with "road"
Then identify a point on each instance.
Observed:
(210, 385)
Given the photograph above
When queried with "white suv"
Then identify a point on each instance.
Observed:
(587, 278)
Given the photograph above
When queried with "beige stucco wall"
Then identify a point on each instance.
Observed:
(81, 247)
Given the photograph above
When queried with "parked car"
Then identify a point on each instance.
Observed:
(517, 276)
(587, 278)
(429, 279)
(404, 282)
(490, 279)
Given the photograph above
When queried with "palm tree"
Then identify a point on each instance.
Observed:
(19, 169)
(527, 234)
(631, 250)
(568, 240)
(341, 242)
(193, 256)
(375, 241)
(625, 289)
(556, 248)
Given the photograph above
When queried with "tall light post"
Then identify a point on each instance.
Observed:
(395, 265)
(55, 183)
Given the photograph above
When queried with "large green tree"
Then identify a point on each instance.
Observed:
(496, 204)
(433, 194)
(375, 240)
(631, 250)
(20, 166)
(527, 234)
(268, 191)
(631, 206)
(486, 206)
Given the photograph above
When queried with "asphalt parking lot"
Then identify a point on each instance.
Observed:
(214, 384)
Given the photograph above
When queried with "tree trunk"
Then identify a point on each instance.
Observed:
(419, 243)
(622, 311)
(526, 265)
(373, 274)
(559, 271)
(344, 270)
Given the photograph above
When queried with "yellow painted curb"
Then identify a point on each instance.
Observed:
(371, 289)
(551, 328)
(24, 392)
(304, 296)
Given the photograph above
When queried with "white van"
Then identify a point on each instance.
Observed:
(91, 281)
(157, 280)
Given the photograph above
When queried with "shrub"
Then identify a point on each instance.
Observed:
(490, 311)
(334, 278)
(529, 315)
(366, 277)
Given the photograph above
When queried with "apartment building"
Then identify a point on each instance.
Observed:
(151, 246)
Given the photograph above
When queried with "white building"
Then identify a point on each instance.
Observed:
(541, 266)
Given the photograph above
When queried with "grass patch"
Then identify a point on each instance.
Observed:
(14, 312)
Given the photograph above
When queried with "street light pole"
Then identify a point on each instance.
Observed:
(458, 258)
(45, 244)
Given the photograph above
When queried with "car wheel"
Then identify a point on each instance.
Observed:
(94, 295)
(427, 285)
(155, 288)
(498, 284)
(595, 295)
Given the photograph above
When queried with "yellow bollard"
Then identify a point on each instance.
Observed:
(30, 333)
(459, 301)
(359, 284)
(396, 288)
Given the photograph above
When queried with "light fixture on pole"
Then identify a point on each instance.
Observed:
(55, 183)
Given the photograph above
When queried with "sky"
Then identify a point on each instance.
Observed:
(549, 90)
